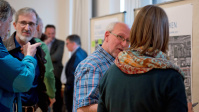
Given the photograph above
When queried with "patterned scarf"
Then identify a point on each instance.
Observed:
(132, 62)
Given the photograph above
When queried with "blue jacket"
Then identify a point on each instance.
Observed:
(15, 76)
(71, 65)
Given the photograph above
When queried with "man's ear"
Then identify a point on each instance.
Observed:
(38, 27)
(106, 36)
(14, 24)
(74, 44)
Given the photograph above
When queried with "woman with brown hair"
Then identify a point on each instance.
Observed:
(142, 78)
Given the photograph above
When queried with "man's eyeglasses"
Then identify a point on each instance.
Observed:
(120, 38)
(23, 24)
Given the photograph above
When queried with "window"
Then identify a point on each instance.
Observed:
(122, 6)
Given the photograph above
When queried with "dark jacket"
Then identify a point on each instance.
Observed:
(159, 90)
(56, 53)
(75, 59)
(41, 88)
(71, 65)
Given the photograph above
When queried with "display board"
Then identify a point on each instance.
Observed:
(183, 45)
(98, 27)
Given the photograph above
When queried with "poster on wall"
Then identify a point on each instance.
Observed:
(180, 41)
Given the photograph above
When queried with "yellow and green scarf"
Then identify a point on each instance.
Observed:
(132, 62)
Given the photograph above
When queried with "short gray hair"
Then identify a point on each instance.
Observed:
(111, 26)
(26, 10)
(5, 10)
(74, 38)
(40, 22)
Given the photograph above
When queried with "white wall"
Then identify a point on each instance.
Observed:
(142, 3)
(114, 6)
(106, 7)
(51, 12)
(102, 7)
(81, 15)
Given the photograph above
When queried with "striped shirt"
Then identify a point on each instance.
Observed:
(87, 76)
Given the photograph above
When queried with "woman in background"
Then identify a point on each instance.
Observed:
(142, 78)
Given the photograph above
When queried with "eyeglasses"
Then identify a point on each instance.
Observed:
(23, 24)
(67, 43)
(120, 38)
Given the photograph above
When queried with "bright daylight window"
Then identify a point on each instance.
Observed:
(121, 5)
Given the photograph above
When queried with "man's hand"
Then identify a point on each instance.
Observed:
(52, 101)
(30, 49)
(190, 108)
(48, 40)
(90, 108)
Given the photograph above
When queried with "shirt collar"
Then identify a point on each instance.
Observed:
(52, 41)
(74, 50)
(16, 43)
(106, 54)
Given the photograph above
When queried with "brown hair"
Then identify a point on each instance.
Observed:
(50, 26)
(43, 37)
(150, 29)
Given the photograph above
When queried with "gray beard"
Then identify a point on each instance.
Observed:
(24, 39)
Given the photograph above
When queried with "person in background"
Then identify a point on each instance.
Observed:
(73, 43)
(90, 71)
(15, 76)
(49, 78)
(25, 23)
(39, 28)
(43, 37)
(142, 76)
(56, 48)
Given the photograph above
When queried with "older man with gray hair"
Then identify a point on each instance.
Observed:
(26, 20)
(89, 72)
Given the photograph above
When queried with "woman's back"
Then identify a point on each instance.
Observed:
(159, 90)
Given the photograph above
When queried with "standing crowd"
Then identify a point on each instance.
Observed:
(129, 72)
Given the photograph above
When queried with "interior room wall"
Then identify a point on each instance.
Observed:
(81, 15)
(58, 13)
(51, 12)
(105, 7)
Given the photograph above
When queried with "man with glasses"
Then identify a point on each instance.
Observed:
(26, 20)
(89, 72)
